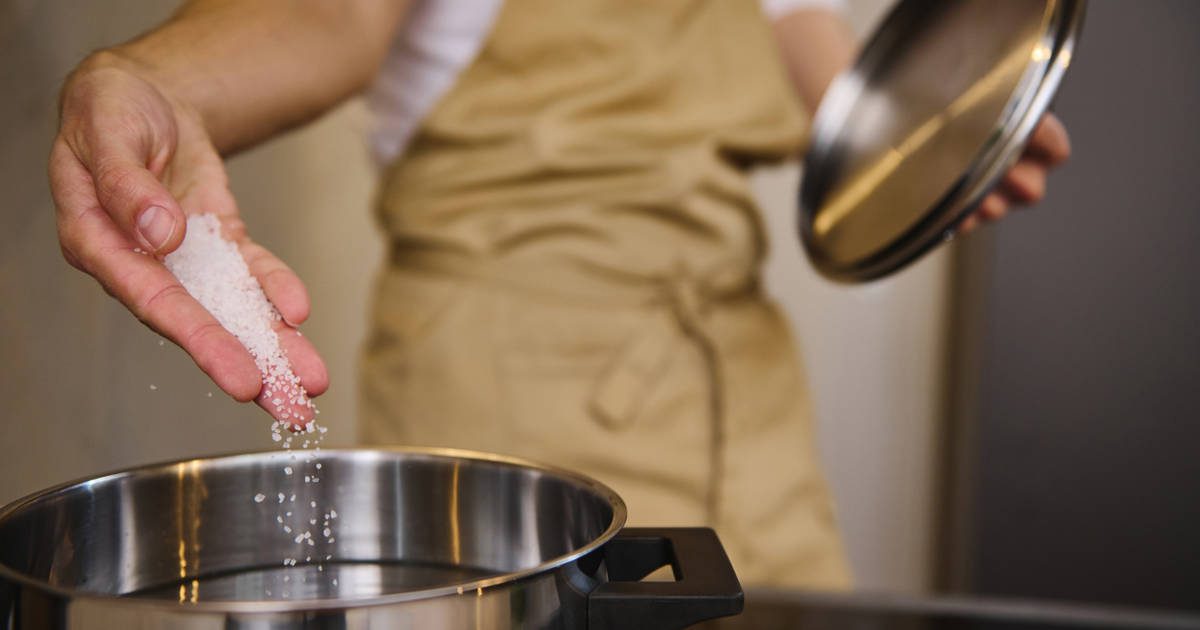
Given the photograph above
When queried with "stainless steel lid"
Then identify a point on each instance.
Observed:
(939, 104)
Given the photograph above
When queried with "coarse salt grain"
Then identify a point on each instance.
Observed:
(215, 274)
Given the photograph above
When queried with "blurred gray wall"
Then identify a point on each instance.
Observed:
(76, 368)
(1086, 482)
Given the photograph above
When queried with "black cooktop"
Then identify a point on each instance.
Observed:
(784, 610)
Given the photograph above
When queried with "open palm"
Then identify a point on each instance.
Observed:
(127, 167)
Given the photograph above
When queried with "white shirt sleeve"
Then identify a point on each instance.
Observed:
(438, 40)
(775, 9)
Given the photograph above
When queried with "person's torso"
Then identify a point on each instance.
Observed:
(610, 135)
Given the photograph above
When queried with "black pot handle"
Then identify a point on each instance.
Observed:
(705, 585)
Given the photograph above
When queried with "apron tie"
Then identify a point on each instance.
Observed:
(624, 388)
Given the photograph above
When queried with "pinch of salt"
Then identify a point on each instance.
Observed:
(215, 274)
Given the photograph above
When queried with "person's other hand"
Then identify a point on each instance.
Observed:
(128, 165)
(1025, 183)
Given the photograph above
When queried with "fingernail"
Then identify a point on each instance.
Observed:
(156, 226)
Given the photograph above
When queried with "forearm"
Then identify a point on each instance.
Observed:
(816, 45)
(253, 69)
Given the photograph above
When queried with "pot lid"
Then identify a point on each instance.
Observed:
(905, 143)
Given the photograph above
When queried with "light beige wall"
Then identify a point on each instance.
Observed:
(76, 369)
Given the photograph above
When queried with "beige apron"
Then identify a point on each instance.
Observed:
(573, 277)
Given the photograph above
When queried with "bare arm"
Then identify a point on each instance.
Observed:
(817, 44)
(139, 147)
(252, 69)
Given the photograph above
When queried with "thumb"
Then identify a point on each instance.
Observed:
(137, 201)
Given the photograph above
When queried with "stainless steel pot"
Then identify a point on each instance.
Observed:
(424, 538)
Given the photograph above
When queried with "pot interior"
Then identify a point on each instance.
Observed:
(213, 529)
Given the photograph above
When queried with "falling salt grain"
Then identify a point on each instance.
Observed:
(258, 498)
(213, 271)
(153, 387)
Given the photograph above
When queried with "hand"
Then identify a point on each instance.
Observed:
(128, 165)
(1025, 182)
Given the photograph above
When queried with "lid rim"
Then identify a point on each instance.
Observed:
(1030, 99)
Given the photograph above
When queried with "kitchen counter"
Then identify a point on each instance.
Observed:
(789, 610)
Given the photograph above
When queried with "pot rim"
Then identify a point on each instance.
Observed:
(472, 588)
